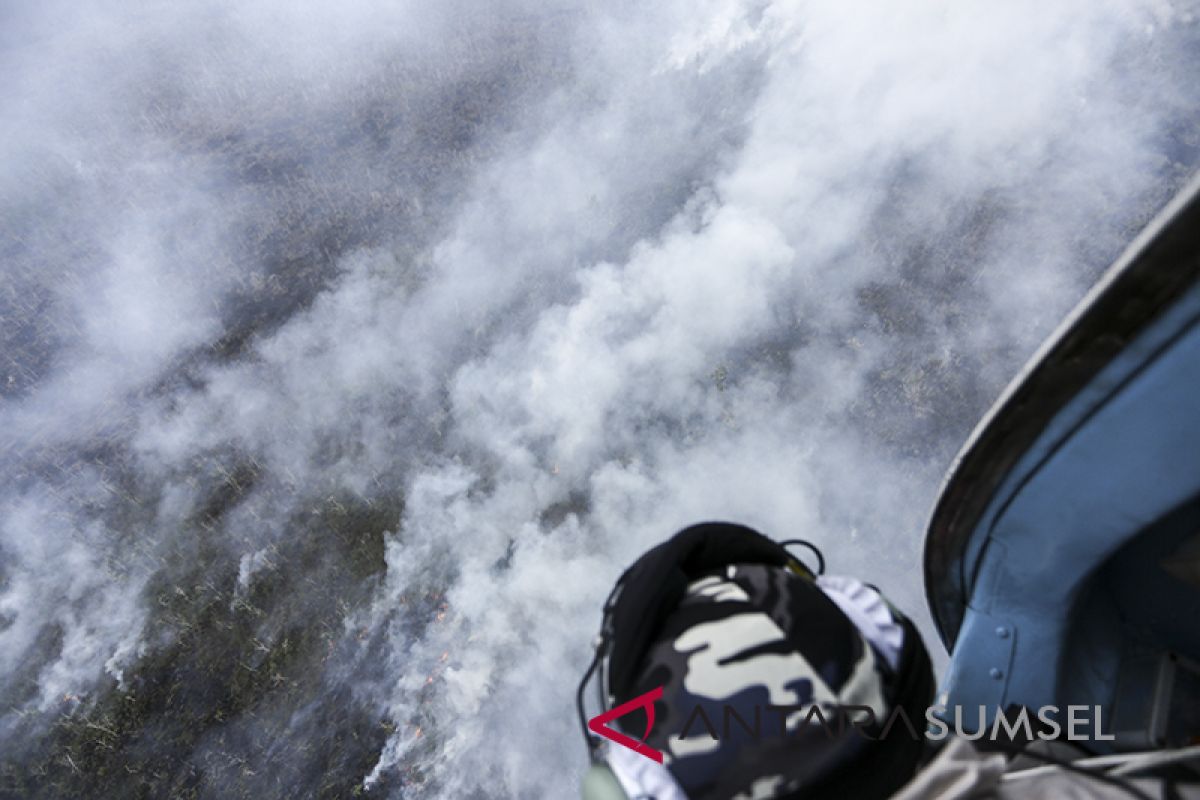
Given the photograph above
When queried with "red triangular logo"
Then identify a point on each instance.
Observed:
(598, 724)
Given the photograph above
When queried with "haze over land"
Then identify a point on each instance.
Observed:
(348, 356)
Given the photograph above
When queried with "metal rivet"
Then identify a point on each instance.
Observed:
(996, 673)
(1002, 632)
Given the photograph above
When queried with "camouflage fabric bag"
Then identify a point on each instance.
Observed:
(766, 691)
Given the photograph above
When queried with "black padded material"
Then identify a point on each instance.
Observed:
(893, 760)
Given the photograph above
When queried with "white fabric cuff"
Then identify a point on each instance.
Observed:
(868, 611)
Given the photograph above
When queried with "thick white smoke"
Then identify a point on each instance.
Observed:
(561, 279)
